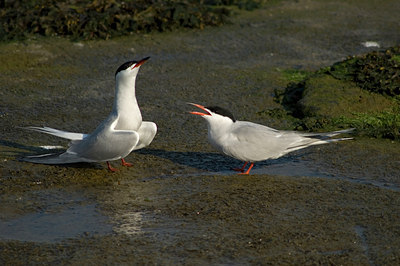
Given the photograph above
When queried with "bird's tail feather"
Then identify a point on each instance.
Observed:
(314, 141)
(54, 158)
(58, 133)
(327, 135)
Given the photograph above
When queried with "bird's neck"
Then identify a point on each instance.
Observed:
(126, 106)
(218, 129)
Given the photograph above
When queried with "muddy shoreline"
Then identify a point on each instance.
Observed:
(181, 203)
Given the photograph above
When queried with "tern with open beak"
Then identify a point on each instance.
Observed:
(250, 142)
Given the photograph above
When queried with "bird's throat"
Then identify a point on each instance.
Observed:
(127, 108)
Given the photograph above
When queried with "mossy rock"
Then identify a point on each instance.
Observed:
(327, 97)
(361, 91)
(377, 71)
(326, 103)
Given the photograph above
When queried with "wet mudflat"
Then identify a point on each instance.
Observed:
(181, 203)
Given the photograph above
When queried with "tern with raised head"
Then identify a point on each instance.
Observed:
(122, 132)
(250, 142)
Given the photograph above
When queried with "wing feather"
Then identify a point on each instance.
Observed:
(253, 142)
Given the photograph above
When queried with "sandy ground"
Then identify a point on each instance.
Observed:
(181, 203)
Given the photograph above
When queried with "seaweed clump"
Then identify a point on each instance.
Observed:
(82, 19)
(378, 71)
(361, 91)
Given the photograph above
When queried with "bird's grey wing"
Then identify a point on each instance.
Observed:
(254, 142)
(147, 132)
(106, 146)
(119, 145)
(58, 133)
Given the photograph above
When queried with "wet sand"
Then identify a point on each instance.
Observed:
(181, 203)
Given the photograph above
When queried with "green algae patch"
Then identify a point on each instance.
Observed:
(328, 97)
(384, 124)
(325, 97)
(361, 92)
(294, 75)
(328, 103)
(378, 71)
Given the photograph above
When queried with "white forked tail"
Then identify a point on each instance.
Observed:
(311, 139)
(328, 134)
(58, 133)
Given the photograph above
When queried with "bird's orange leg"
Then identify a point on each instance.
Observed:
(112, 169)
(240, 169)
(248, 170)
(125, 163)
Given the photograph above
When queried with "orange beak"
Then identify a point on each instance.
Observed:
(141, 62)
(202, 108)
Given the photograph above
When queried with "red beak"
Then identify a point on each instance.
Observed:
(141, 62)
(202, 108)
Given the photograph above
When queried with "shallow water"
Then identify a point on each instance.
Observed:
(53, 227)
(181, 203)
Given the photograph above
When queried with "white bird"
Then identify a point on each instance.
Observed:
(118, 135)
(251, 142)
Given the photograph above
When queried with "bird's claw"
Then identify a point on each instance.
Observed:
(242, 173)
(124, 163)
(112, 169)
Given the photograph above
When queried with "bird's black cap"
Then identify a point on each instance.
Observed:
(221, 111)
(130, 63)
(125, 66)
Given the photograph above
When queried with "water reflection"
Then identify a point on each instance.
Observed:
(62, 215)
